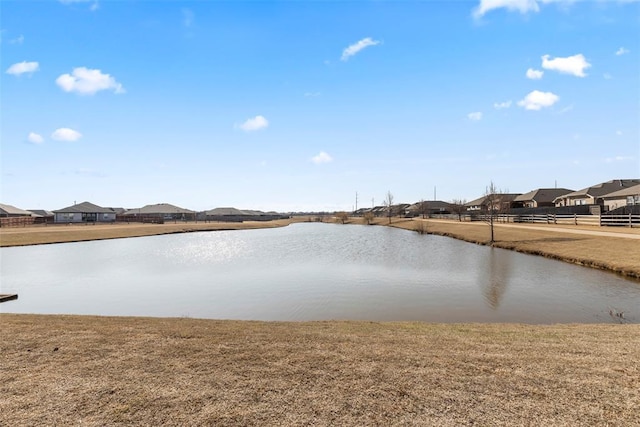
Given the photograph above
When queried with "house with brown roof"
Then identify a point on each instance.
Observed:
(540, 198)
(499, 202)
(84, 212)
(8, 211)
(594, 195)
(629, 196)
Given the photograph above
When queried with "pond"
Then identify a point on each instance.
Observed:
(310, 271)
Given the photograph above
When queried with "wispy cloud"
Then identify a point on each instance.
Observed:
(537, 100)
(622, 51)
(502, 105)
(618, 159)
(66, 134)
(311, 94)
(321, 157)
(86, 81)
(574, 65)
(94, 3)
(475, 116)
(253, 124)
(23, 67)
(35, 138)
(17, 40)
(534, 74)
(357, 47)
(607, 76)
(187, 17)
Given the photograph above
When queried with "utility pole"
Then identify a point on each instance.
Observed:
(356, 202)
(434, 192)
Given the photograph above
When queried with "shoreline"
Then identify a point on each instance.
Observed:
(610, 253)
(585, 246)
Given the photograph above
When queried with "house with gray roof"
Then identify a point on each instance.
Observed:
(9, 211)
(540, 198)
(164, 211)
(595, 194)
(84, 212)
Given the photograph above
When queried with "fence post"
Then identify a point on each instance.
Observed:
(600, 220)
(575, 219)
(630, 221)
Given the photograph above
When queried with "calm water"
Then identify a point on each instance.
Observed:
(310, 272)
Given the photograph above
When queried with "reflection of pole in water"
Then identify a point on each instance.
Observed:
(497, 274)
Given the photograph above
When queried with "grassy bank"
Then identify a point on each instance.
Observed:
(64, 370)
(606, 252)
(62, 233)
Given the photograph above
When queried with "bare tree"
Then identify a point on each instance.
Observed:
(388, 202)
(423, 208)
(493, 200)
(368, 217)
(342, 216)
(459, 207)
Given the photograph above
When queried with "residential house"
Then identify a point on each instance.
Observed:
(236, 215)
(629, 196)
(540, 198)
(84, 212)
(594, 195)
(161, 211)
(431, 207)
(498, 202)
(8, 211)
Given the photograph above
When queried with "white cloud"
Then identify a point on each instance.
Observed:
(17, 40)
(621, 51)
(35, 138)
(23, 67)
(534, 74)
(566, 109)
(475, 116)
(86, 81)
(311, 94)
(607, 76)
(618, 159)
(619, 132)
(502, 105)
(574, 65)
(66, 134)
(522, 6)
(537, 100)
(322, 157)
(357, 47)
(256, 123)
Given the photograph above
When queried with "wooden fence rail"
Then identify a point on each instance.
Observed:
(627, 220)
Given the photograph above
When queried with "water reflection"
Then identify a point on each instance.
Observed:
(310, 272)
(495, 272)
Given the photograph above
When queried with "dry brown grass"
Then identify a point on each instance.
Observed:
(74, 370)
(62, 233)
(621, 255)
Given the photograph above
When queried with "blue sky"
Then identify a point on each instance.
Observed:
(299, 105)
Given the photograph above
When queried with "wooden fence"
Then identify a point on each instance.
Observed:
(626, 220)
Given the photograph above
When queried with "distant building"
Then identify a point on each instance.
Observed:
(84, 212)
(626, 197)
(8, 211)
(163, 211)
(594, 195)
(540, 198)
(498, 202)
